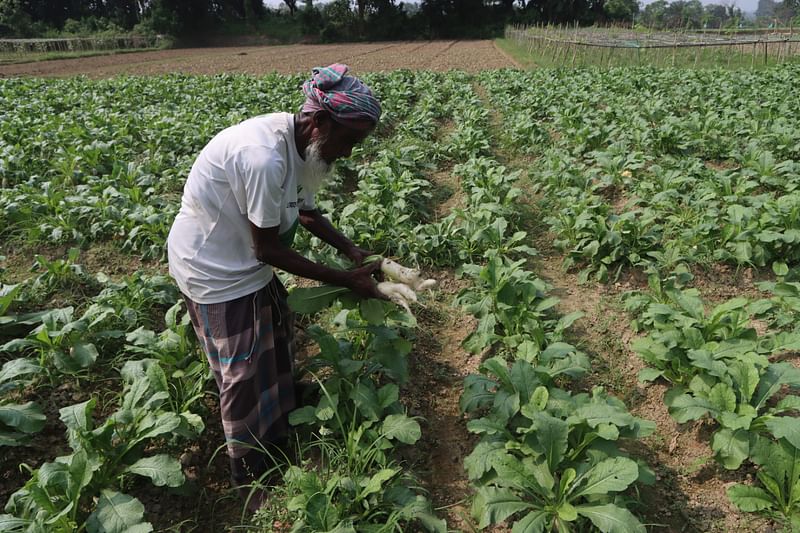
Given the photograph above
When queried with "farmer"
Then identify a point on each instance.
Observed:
(246, 193)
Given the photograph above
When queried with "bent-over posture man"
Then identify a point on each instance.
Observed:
(246, 193)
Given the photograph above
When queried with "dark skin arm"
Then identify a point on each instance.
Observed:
(321, 227)
(270, 250)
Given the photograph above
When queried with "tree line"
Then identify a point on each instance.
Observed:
(339, 20)
(692, 14)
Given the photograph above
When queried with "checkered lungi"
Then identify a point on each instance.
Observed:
(249, 343)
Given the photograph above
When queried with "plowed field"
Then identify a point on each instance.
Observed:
(470, 56)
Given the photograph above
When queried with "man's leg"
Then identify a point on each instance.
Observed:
(240, 342)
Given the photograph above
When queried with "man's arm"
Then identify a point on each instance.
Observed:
(270, 250)
(321, 227)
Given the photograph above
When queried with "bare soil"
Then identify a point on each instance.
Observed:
(471, 56)
(439, 365)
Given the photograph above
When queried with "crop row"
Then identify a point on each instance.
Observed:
(547, 459)
(655, 168)
(721, 368)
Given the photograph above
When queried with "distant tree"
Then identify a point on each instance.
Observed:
(586, 11)
(766, 8)
(655, 14)
(125, 13)
(787, 10)
(719, 15)
(714, 15)
(684, 14)
(621, 9)
(292, 5)
(14, 21)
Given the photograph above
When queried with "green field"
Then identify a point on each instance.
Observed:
(571, 217)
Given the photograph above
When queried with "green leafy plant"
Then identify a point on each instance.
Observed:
(58, 274)
(736, 395)
(354, 488)
(778, 497)
(683, 335)
(176, 351)
(512, 307)
(58, 494)
(59, 343)
(18, 422)
(551, 460)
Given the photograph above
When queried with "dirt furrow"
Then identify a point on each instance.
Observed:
(439, 365)
(470, 56)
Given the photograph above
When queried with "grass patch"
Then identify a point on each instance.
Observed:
(517, 52)
(33, 57)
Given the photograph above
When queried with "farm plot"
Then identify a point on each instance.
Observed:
(483, 182)
(469, 56)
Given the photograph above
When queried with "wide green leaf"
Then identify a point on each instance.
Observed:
(785, 427)
(78, 417)
(26, 418)
(80, 356)
(117, 513)
(303, 415)
(375, 483)
(12, 524)
(732, 447)
(493, 505)
(402, 428)
(365, 399)
(610, 475)
(687, 407)
(482, 458)
(551, 436)
(7, 295)
(533, 522)
(314, 299)
(610, 518)
(18, 367)
(750, 499)
(722, 397)
(161, 469)
(774, 378)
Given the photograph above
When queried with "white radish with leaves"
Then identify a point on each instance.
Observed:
(397, 272)
(404, 283)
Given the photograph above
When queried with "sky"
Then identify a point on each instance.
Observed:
(745, 5)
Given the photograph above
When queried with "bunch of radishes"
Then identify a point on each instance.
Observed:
(402, 283)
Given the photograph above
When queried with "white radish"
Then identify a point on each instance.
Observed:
(408, 276)
(427, 284)
(398, 293)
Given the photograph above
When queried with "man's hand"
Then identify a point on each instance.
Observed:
(357, 255)
(361, 282)
(270, 250)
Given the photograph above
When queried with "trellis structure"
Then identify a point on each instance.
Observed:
(77, 44)
(573, 45)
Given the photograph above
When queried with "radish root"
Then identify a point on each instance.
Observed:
(403, 285)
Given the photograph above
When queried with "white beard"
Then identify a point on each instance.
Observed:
(317, 170)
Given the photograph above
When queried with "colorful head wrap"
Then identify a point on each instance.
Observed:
(346, 98)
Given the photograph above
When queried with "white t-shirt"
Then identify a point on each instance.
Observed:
(246, 173)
